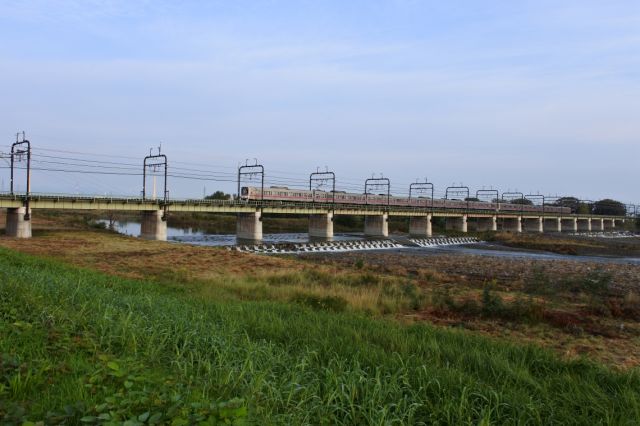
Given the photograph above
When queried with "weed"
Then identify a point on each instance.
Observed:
(411, 292)
(631, 305)
(492, 304)
(597, 284)
(441, 299)
(325, 303)
(539, 283)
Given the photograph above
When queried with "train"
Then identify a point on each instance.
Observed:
(283, 193)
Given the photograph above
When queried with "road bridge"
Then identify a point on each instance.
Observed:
(321, 215)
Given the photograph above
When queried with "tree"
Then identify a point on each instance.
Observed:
(609, 207)
(525, 201)
(574, 204)
(567, 202)
(472, 199)
(218, 195)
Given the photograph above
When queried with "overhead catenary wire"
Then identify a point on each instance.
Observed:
(71, 162)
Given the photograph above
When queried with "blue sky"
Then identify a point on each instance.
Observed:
(526, 95)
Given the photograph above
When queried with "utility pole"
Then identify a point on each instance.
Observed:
(154, 162)
(19, 149)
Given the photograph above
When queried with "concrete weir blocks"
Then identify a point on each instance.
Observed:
(420, 226)
(457, 223)
(569, 224)
(17, 225)
(153, 227)
(376, 226)
(321, 226)
(249, 226)
(552, 224)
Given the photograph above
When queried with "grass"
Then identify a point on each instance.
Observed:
(537, 302)
(562, 244)
(82, 346)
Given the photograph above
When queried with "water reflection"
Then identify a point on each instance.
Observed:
(197, 237)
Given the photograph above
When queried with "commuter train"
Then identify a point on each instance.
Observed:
(282, 193)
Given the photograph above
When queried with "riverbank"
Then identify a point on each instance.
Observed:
(580, 245)
(85, 346)
(575, 308)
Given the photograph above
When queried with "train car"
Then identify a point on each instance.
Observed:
(283, 193)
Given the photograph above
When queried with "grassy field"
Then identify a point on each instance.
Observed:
(568, 244)
(152, 352)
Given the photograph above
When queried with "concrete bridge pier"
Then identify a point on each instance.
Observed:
(584, 225)
(376, 225)
(533, 224)
(569, 224)
(153, 227)
(484, 224)
(321, 226)
(17, 225)
(456, 223)
(249, 226)
(597, 225)
(552, 224)
(420, 226)
(512, 224)
(608, 224)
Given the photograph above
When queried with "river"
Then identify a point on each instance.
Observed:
(197, 237)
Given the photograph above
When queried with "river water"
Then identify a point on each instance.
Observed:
(197, 237)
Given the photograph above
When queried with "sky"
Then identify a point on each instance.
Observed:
(532, 96)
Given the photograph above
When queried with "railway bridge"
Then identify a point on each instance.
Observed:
(249, 215)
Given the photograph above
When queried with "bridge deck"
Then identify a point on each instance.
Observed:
(68, 202)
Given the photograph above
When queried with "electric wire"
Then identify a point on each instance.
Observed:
(74, 165)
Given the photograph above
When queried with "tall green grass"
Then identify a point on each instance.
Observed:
(80, 346)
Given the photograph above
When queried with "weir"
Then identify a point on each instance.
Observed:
(17, 225)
